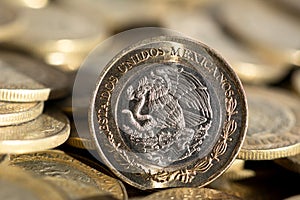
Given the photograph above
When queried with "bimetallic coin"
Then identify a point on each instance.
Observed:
(250, 66)
(190, 194)
(77, 179)
(81, 141)
(274, 124)
(15, 184)
(259, 32)
(49, 130)
(12, 113)
(57, 81)
(17, 87)
(168, 112)
(291, 163)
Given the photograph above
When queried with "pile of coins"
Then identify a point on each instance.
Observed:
(211, 112)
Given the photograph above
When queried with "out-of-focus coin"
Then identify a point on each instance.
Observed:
(77, 179)
(35, 4)
(38, 78)
(291, 163)
(168, 112)
(268, 28)
(17, 87)
(294, 197)
(274, 124)
(10, 22)
(295, 79)
(15, 113)
(237, 171)
(65, 36)
(291, 6)
(15, 184)
(250, 66)
(49, 130)
(82, 140)
(190, 194)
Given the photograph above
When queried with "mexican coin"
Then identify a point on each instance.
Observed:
(167, 112)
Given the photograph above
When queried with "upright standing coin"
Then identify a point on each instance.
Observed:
(12, 113)
(190, 194)
(32, 68)
(15, 184)
(77, 179)
(274, 124)
(168, 112)
(49, 130)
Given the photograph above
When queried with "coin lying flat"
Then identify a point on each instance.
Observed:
(190, 194)
(267, 21)
(10, 22)
(249, 66)
(64, 38)
(15, 184)
(82, 140)
(49, 130)
(15, 113)
(37, 78)
(168, 112)
(77, 179)
(17, 87)
(291, 163)
(274, 124)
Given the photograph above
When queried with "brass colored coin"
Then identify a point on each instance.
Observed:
(15, 184)
(38, 78)
(10, 22)
(168, 112)
(15, 113)
(273, 30)
(17, 87)
(237, 171)
(190, 194)
(296, 81)
(291, 163)
(49, 130)
(250, 66)
(66, 35)
(81, 141)
(274, 124)
(77, 179)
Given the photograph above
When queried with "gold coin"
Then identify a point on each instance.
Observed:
(15, 184)
(10, 22)
(291, 163)
(77, 179)
(82, 140)
(15, 113)
(237, 171)
(190, 194)
(49, 130)
(250, 66)
(274, 124)
(272, 30)
(30, 79)
(35, 4)
(59, 35)
(15, 86)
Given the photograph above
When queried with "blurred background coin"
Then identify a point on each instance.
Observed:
(47, 131)
(250, 66)
(12, 113)
(290, 163)
(273, 130)
(263, 26)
